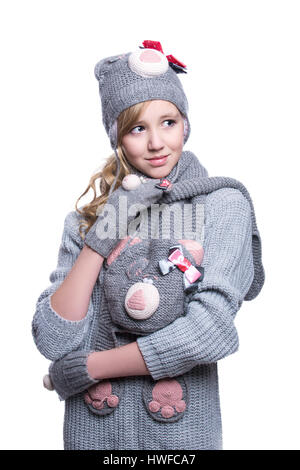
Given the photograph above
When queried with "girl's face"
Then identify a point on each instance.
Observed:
(154, 145)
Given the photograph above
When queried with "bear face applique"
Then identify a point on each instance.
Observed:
(143, 288)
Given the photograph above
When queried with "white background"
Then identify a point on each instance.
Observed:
(243, 89)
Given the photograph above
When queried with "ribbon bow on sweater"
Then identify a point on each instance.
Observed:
(173, 62)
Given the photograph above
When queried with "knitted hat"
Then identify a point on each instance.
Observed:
(128, 79)
(134, 77)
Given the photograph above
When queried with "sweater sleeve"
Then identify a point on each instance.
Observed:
(53, 335)
(207, 332)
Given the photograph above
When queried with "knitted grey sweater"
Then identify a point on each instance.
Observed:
(177, 406)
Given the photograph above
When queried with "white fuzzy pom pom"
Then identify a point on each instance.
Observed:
(131, 182)
(47, 382)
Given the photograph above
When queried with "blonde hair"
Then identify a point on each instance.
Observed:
(107, 174)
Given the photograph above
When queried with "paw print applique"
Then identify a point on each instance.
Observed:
(103, 397)
(166, 401)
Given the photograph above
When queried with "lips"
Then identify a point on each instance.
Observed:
(158, 161)
(157, 158)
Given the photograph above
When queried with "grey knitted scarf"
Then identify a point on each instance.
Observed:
(190, 179)
(125, 274)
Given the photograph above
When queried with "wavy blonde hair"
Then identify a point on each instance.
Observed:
(107, 174)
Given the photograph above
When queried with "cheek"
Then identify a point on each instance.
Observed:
(133, 148)
(176, 137)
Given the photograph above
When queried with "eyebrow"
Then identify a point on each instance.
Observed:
(169, 115)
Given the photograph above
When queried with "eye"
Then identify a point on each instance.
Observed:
(136, 129)
(171, 122)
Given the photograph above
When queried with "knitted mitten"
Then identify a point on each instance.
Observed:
(69, 375)
(104, 235)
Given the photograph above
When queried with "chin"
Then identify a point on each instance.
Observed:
(159, 174)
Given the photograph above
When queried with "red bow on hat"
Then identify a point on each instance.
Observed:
(157, 45)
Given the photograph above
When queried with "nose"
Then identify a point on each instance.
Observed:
(155, 140)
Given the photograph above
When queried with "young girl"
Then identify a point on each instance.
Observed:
(150, 275)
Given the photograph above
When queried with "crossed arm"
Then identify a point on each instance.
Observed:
(71, 301)
(205, 334)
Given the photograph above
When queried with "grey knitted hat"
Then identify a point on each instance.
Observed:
(134, 77)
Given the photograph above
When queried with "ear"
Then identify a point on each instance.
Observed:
(195, 249)
(103, 66)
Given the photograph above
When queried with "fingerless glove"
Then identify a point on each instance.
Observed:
(69, 375)
(106, 232)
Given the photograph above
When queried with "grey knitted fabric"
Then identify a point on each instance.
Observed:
(177, 406)
(136, 275)
(104, 240)
(69, 375)
(134, 77)
(194, 186)
(120, 87)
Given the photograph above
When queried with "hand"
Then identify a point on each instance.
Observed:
(144, 193)
(69, 375)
